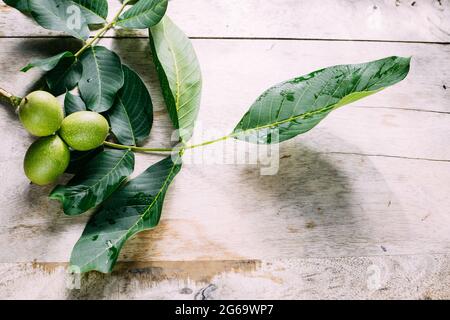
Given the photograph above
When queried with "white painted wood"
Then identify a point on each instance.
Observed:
(426, 20)
(368, 186)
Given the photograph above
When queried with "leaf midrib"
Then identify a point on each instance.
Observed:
(88, 9)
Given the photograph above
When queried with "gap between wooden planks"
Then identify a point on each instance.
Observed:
(383, 277)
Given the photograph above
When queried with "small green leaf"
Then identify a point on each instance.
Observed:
(60, 15)
(65, 76)
(179, 74)
(48, 63)
(21, 5)
(95, 11)
(95, 182)
(144, 14)
(73, 103)
(131, 116)
(131, 209)
(296, 106)
(102, 78)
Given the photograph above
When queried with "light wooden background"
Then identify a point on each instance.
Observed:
(360, 207)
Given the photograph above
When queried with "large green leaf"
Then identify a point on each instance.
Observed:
(60, 15)
(296, 106)
(95, 11)
(144, 14)
(133, 208)
(131, 116)
(47, 64)
(21, 5)
(73, 103)
(95, 182)
(64, 76)
(102, 78)
(179, 73)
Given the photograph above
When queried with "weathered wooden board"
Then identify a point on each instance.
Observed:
(382, 277)
(393, 20)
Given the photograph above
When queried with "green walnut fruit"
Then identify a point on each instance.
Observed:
(46, 159)
(41, 113)
(84, 130)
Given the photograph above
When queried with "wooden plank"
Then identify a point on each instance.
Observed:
(383, 277)
(422, 20)
(260, 64)
(318, 205)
